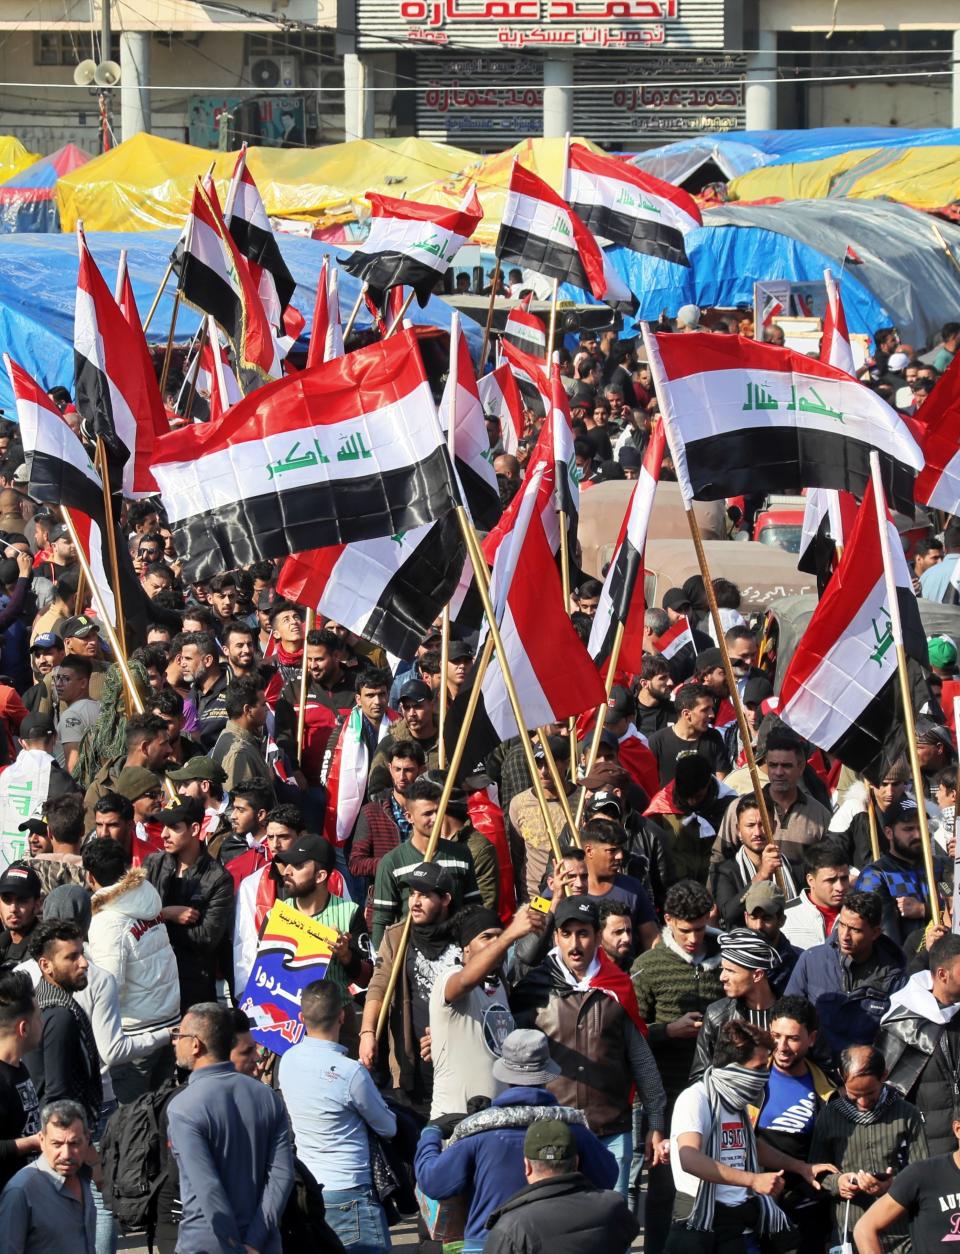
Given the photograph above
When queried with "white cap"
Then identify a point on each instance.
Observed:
(898, 361)
(689, 315)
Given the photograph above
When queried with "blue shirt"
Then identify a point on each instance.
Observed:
(935, 582)
(332, 1100)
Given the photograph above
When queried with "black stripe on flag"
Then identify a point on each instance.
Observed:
(381, 271)
(277, 524)
(522, 337)
(411, 600)
(56, 482)
(483, 501)
(877, 737)
(93, 399)
(656, 239)
(783, 459)
(261, 247)
(207, 291)
(546, 256)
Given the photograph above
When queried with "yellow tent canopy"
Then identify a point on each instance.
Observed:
(14, 157)
(492, 176)
(147, 183)
(926, 178)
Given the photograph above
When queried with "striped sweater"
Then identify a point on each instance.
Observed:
(392, 888)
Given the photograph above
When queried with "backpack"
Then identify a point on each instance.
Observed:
(133, 1158)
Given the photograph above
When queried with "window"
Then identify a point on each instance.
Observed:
(68, 47)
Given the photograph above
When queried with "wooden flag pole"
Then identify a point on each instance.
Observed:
(221, 380)
(168, 351)
(601, 712)
(353, 312)
(192, 391)
(488, 324)
(896, 630)
(102, 466)
(121, 273)
(308, 626)
(448, 785)
(398, 320)
(156, 300)
(558, 782)
(872, 820)
(444, 691)
(553, 319)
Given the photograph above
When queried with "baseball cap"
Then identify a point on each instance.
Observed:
(525, 1059)
(689, 316)
(675, 599)
(266, 598)
(629, 458)
(549, 1141)
(199, 767)
(757, 689)
(307, 848)
(433, 634)
(35, 725)
(708, 660)
(608, 739)
(606, 775)
(459, 651)
(430, 878)
(187, 810)
(577, 910)
(414, 691)
(79, 626)
(21, 881)
(942, 652)
(620, 702)
(559, 747)
(603, 802)
(902, 811)
(898, 361)
(764, 896)
(21, 475)
(59, 532)
(46, 640)
(33, 825)
(134, 782)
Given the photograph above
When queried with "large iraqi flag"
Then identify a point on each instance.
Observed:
(748, 417)
(840, 690)
(350, 450)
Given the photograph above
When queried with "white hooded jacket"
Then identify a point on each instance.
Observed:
(129, 939)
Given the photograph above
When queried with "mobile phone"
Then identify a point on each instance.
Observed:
(541, 904)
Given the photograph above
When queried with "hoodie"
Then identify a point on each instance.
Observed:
(485, 1161)
(129, 939)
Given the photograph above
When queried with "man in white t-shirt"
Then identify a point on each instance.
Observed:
(469, 1012)
(720, 1188)
(78, 711)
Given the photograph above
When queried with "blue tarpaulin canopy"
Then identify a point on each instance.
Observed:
(38, 287)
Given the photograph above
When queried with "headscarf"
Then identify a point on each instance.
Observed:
(748, 949)
(852, 1112)
(733, 1088)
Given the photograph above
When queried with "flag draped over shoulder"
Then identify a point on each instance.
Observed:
(749, 417)
(627, 206)
(217, 280)
(622, 599)
(500, 396)
(937, 424)
(840, 690)
(389, 590)
(410, 243)
(351, 450)
(116, 387)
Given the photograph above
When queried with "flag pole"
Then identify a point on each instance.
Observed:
(100, 461)
(221, 380)
(448, 785)
(156, 300)
(601, 710)
(192, 392)
(872, 820)
(896, 629)
(452, 383)
(488, 324)
(398, 320)
(353, 312)
(558, 784)
(121, 275)
(308, 626)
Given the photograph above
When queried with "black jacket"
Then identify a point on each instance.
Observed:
(714, 1017)
(209, 889)
(563, 1212)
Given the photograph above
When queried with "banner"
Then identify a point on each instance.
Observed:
(23, 790)
(292, 953)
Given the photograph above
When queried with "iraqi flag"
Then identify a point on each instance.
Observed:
(554, 675)
(389, 590)
(462, 410)
(500, 396)
(835, 347)
(677, 636)
(828, 518)
(116, 387)
(253, 235)
(216, 383)
(527, 332)
(622, 599)
(627, 206)
(60, 472)
(156, 413)
(840, 690)
(748, 417)
(326, 333)
(345, 776)
(351, 450)
(532, 382)
(540, 231)
(937, 424)
(216, 279)
(411, 243)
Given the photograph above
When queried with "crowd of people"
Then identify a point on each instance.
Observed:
(664, 1017)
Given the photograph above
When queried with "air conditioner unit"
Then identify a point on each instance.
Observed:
(273, 72)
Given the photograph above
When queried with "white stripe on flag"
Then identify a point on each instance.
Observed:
(540, 219)
(425, 242)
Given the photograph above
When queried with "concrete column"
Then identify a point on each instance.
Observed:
(557, 97)
(760, 98)
(956, 79)
(134, 76)
(358, 102)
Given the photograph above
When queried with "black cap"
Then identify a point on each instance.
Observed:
(460, 651)
(33, 825)
(21, 881)
(619, 703)
(187, 810)
(428, 877)
(36, 725)
(60, 531)
(559, 747)
(603, 802)
(757, 689)
(80, 625)
(577, 910)
(708, 660)
(415, 691)
(266, 598)
(675, 599)
(902, 811)
(307, 848)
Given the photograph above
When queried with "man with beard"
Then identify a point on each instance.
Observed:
(305, 868)
(383, 822)
(201, 669)
(21, 897)
(330, 697)
(431, 952)
(239, 650)
(616, 933)
(755, 862)
(654, 707)
(898, 877)
(418, 722)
